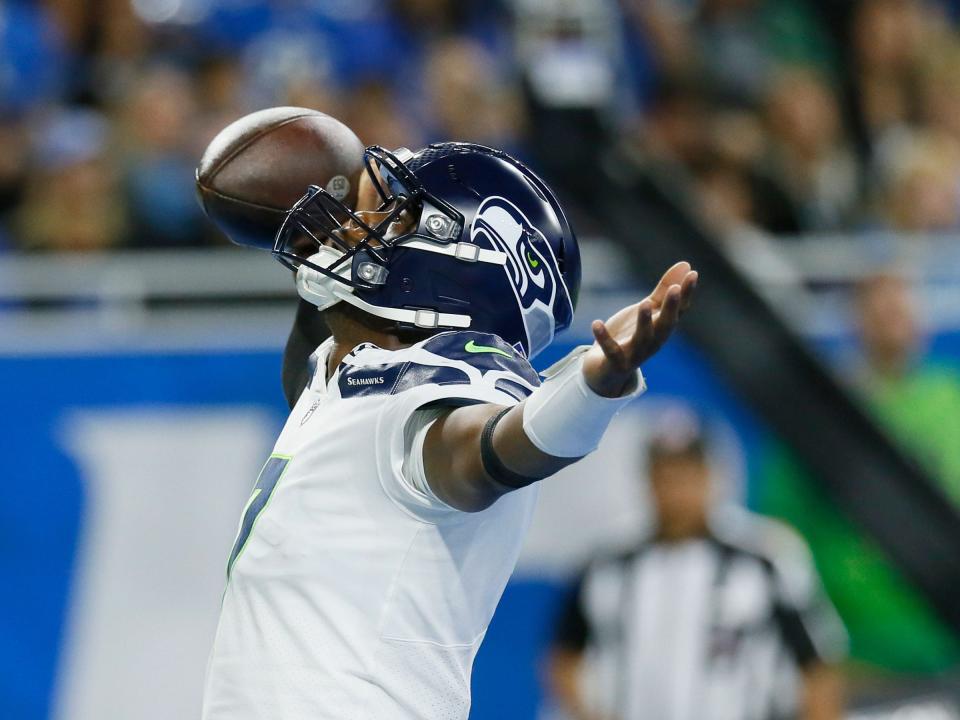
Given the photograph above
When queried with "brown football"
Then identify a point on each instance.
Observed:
(260, 165)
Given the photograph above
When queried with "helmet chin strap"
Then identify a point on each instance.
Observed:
(320, 289)
(325, 292)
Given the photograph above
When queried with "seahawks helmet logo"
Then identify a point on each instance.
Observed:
(530, 272)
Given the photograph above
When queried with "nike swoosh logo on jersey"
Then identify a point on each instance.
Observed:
(472, 347)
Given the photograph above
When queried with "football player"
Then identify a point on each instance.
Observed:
(383, 528)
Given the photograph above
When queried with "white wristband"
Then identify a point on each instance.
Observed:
(564, 417)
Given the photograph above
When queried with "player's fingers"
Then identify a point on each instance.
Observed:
(673, 276)
(644, 322)
(687, 290)
(638, 347)
(643, 333)
(669, 315)
(611, 348)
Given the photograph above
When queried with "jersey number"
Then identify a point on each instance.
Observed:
(269, 477)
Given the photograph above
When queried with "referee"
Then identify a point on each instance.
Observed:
(717, 615)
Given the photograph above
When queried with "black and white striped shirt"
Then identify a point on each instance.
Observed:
(712, 628)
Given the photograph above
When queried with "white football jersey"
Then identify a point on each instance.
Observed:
(350, 592)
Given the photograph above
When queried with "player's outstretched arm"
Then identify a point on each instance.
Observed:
(471, 457)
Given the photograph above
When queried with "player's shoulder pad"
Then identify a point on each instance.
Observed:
(451, 358)
(482, 351)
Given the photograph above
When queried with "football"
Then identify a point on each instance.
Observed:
(260, 165)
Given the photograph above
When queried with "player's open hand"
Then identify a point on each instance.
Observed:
(637, 332)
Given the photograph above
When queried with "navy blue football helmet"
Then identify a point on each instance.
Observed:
(486, 246)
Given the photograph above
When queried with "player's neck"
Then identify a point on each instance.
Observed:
(348, 333)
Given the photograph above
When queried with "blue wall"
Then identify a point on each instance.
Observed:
(44, 506)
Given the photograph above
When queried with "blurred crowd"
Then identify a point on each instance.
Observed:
(914, 395)
(779, 116)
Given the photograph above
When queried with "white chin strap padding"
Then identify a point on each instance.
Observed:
(317, 288)
(324, 292)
